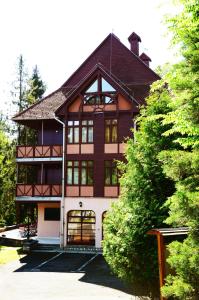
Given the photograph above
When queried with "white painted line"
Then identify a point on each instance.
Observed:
(87, 262)
(45, 262)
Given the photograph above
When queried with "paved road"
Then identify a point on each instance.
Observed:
(52, 276)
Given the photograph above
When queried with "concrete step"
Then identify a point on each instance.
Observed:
(46, 248)
(82, 249)
(67, 249)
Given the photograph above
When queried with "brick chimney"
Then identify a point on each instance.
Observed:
(134, 40)
(145, 59)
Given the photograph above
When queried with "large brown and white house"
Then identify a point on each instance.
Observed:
(81, 129)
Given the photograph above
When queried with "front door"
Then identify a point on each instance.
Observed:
(81, 227)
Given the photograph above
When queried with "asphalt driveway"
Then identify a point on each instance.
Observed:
(61, 276)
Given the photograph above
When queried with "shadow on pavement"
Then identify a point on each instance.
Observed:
(96, 272)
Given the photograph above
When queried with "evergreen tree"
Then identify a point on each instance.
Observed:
(7, 177)
(18, 93)
(20, 85)
(36, 88)
(26, 92)
(182, 166)
(34, 92)
(130, 252)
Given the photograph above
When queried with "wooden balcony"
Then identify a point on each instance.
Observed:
(39, 151)
(38, 190)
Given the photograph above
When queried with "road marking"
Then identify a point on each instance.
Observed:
(36, 269)
(87, 262)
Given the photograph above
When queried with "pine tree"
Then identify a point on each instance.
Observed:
(20, 85)
(34, 92)
(26, 92)
(18, 93)
(36, 88)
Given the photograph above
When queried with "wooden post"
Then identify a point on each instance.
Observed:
(161, 261)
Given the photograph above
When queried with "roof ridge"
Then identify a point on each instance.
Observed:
(92, 53)
(110, 35)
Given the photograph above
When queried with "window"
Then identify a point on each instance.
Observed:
(106, 87)
(87, 131)
(73, 132)
(111, 131)
(52, 214)
(100, 92)
(93, 87)
(80, 172)
(80, 131)
(73, 172)
(87, 172)
(81, 227)
(111, 173)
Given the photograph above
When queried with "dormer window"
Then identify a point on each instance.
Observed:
(100, 92)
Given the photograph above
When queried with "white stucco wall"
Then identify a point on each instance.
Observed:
(98, 205)
(51, 229)
(47, 228)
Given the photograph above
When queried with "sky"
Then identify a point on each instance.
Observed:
(58, 35)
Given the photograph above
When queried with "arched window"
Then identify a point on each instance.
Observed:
(81, 227)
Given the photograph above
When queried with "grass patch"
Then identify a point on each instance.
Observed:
(8, 254)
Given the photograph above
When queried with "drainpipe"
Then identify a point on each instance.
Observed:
(62, 227)
(42, 132)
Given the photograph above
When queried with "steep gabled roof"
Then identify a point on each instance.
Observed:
(99, 68)
(122, 65)
(117, 59)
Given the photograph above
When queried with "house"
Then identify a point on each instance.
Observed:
(81, 128)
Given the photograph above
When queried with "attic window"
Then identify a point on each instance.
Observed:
(100, 92)
(106, 87)
(93, 88)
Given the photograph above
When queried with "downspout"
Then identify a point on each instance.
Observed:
(42, 142)
(42, 132)
(62, 227)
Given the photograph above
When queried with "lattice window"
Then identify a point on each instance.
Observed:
(111, 173)
(111, 131)
(80, 172)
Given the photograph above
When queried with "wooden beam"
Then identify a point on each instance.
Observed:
(161, 261)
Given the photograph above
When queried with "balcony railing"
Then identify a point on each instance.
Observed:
(39, 151)
(38, 190)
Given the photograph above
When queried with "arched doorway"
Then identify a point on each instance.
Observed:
(81, 227)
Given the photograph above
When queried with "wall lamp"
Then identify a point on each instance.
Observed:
(80, 204)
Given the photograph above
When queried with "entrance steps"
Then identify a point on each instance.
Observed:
(46, 248)
(68, 249)
(83, 249)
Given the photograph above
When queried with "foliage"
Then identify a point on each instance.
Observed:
(19, 88)
(7, 178)
(183, 166)
(36, 88)
(185, 260)
(27, 91)
(128, 249)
